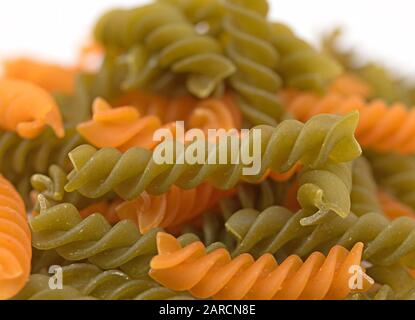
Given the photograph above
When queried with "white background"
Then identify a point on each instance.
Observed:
(381, 30)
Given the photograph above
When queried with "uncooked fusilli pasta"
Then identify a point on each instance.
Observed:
(217, 274)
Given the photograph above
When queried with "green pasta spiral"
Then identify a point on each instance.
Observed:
(52, 187)
(122, 246)
(206, 15)
(397, 278)
(88, 281)
(364, 189)
(248, 44)
(325, 190)
(276, 229)
(302, 66)
(171, 43)
(20, 158)
(396, 174)
(323, 138)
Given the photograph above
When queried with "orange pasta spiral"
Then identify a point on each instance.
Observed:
(50, 77)
(348, 84)
(217, 275)
(381, 127)
(216, 114)
(206, 114)
(15, 241)
(124, 128)
(121, 128)
(166, 108)
(107, 208)
(393, 208)
(170, 209)
(27, 108)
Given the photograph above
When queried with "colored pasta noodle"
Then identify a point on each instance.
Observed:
(86, 281)
(277, 229)
(396, 175)
(321, 139)
(15, 248)
(347, 84)
(121, 127)
(217, 275)
(51, 187)
(171, 43)
(325, 191)
(248, 44)
(364, 195)
(171, 209)
(381, 127)
(21, 158)
(27, 108)
(120, 246)
(302, 66)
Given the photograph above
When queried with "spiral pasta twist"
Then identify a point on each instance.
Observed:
(61, 227)
(364, 195)
(277, 229)
(217, 275)
(121, 128)
(381, 127)
(205, 114)
(146, 211)
(15, 248)
(27, 108)
(86, 281)
(323, 138)
(163, 30)
(166, 108)
(396, 174)
(51, 187)
(50, 77)
(248, 44)
(215, 114)
(21, 158)
(302, 66)
(170, 209)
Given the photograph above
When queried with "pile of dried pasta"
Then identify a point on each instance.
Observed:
(329, 214)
